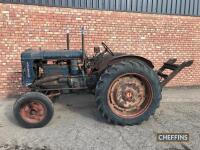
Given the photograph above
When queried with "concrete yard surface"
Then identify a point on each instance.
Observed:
(77, 125)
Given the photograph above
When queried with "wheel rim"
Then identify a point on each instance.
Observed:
(130, 95)
(33, 112)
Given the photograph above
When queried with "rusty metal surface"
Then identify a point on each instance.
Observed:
(53, 94)
(175, 68)
(109, 60)
(33, 112)
(47, 79)
(130, 95)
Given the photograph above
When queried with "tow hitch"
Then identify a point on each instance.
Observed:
(175, 68)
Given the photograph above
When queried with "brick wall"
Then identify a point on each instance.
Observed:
(156, 37)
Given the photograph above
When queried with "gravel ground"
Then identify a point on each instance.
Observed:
(78, 125)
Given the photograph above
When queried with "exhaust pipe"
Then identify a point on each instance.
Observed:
(83, 42)
(67, 40)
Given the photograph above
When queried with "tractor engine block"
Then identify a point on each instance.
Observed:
(69, 71)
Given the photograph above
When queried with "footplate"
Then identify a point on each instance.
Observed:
(175, 68)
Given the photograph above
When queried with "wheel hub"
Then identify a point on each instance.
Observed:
(128, 95)
(33, 112)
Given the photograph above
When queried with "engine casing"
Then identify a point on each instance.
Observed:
(34, 60)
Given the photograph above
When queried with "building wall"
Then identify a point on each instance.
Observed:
(170, 7)
(156, 37)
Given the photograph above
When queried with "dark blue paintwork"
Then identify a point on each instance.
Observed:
(50, 70)
(28, 74)
(29, 56)
(51, 54)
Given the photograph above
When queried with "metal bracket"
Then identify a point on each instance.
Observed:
(176, 68)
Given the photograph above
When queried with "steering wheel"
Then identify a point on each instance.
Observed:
(107, 49)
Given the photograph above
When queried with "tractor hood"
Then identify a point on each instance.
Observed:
(51, 54)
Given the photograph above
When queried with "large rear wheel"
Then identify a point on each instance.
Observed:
(128, 93)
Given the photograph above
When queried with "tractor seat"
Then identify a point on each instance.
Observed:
(63, 54)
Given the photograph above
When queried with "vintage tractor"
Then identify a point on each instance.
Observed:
(127, 88)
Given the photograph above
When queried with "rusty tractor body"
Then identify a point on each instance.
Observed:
(127, 88)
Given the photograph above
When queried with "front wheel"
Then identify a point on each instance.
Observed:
(33, 110)
(127, 93)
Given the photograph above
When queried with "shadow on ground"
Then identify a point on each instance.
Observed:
(83, 104)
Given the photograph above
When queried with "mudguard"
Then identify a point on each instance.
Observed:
(109, 60)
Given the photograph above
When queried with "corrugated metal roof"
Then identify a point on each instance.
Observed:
(175, 7)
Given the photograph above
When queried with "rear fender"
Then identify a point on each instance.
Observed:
(116, 59)
(131, 57)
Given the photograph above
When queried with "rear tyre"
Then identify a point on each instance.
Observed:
(128, 93)
(33, 110)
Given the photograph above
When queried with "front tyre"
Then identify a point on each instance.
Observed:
(128, 93)
(33, 110)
